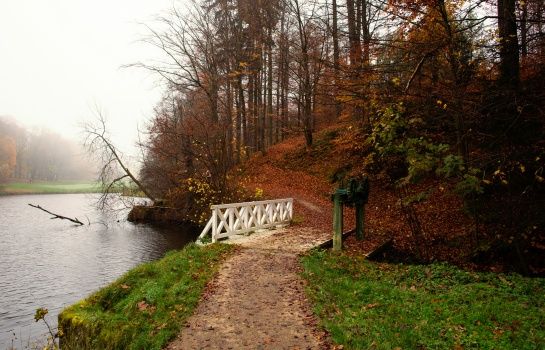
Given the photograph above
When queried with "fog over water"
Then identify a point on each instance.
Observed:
(53, 264)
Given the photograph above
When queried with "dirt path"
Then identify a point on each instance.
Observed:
(257, 299)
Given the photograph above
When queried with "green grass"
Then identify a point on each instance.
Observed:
(147, 306)
(366, 305)
(46, 187)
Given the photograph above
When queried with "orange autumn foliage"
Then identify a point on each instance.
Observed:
(8, 157)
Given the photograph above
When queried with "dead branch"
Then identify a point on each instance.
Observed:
(56, 216)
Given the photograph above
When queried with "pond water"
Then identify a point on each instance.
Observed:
(52, 264)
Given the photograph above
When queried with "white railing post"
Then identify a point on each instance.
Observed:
(290, 205)
(245, 224)
(214, 224)
(231, 219)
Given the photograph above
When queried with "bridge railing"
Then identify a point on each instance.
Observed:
(238, 218)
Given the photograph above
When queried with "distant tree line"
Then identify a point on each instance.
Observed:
(38, 154)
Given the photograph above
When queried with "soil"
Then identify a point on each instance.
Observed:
(257, 300)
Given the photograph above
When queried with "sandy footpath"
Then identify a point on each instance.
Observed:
(257, 300)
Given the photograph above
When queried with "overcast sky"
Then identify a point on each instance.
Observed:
(60, 57)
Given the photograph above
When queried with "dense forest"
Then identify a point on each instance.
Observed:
(425, 95)
(39, 154)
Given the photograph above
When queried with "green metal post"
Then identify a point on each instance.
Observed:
(360, 221)
(337, 222)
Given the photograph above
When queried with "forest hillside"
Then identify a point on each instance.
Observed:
(440, 103)
(432, 220)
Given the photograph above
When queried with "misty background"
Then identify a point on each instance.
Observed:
(60, 60)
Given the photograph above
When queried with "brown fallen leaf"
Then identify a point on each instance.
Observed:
(142, 305)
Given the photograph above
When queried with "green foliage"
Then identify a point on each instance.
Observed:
(418, 197)
(51, 341)
(470, 183)
(453, 165)
(206, 239)
(147, 306)
(40, 314)
(371, 305)
(297, 219)
(395, 136)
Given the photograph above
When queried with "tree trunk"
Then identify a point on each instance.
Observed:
(509, 46)
(269, 89)
(336, 62)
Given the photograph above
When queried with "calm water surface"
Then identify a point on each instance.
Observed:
(53, 264)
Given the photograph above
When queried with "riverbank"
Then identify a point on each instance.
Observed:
(147, 306)
(270, 293)
(53, 263)
(48, 187)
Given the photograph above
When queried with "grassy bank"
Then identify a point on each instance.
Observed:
(46, 187)
(147, 306)
(366, 305)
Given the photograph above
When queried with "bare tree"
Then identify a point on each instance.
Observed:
(114, 173)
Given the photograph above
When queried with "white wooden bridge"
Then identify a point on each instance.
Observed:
(241, 218)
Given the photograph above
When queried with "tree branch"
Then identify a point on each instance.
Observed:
(56, 216)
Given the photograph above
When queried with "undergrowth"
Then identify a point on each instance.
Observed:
(366, 305)
(147, 306)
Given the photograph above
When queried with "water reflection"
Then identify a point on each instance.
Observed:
(52, 263)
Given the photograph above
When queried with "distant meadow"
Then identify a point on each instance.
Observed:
(48, 187)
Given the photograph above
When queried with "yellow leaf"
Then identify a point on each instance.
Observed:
(539, 178)
(486, 182)
(522, 168)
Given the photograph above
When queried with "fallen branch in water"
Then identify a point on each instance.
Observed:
(56, 216)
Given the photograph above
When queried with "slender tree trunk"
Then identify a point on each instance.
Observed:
(336, 62)
(229, 117)
(509, 47)
(355, 53)
(366, 54)
(524, 29)
(353, 37)
(244, 131)
(269, 89)
(284, 71)
(250, 119)
(261, 91)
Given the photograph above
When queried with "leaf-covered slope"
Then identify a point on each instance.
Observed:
(289, 169)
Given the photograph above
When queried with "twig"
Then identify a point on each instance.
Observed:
(56, 216)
